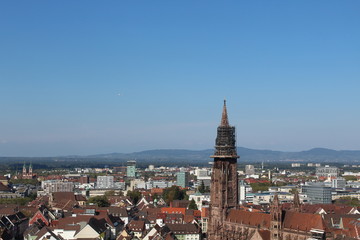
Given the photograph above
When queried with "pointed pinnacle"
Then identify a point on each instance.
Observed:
(224, 118)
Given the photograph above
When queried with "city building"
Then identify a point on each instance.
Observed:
(51, 186)
(338, 183)
(206, 180)
(182, 179)
(105, 182)
(317, 193)
(327, 171)
(201, 172)
(249, 169)
(243, 187)
(131, 169)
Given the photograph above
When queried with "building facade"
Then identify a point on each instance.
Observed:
(182, 179)
(131, 169)
(51, 186)
(317, 193)
(249, 169)
(327, 171)
(105, 182)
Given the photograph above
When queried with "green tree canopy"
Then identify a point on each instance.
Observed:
(173, 193)
(134, 196)
(202, 188)
(256, 187)
(353, 202)
(100, 201)
(192, 205)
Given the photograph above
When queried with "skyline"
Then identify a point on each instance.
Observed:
(82, 78)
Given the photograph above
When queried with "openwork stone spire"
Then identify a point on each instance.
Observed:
(225, 146)
(224, 193)
(296, 202)
(224, 118)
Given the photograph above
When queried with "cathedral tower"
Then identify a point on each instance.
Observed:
(224, 179)
(276, 219)
(24, 172)
(30, 170)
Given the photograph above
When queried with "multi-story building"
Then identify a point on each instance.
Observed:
(327, 171)
(201, 172)
(206, 180)
(51, 186)
(131, 169)
(186, 231)
(182, 179)
(249, 169)
(243, 189)
(158, 184)
(317, 193)
(338, 183)
(105, 182)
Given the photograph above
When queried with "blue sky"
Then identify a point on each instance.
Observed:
(84, 77)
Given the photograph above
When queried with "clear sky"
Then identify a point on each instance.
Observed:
(88, 77)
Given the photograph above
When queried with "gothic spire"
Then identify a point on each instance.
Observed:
(224, 118)
(296, 202)
(276, 200)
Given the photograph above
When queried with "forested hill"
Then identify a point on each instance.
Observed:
(246, 155)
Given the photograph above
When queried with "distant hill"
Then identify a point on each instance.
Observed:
(171, 157)
(246, 155)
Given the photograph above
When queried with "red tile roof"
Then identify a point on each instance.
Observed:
(173, 210)
(303, 221)
(249, 218)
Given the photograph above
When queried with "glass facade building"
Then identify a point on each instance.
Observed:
(317, 193)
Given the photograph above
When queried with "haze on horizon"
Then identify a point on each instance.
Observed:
(87, 78)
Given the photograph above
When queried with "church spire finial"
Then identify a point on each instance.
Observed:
(224, 118)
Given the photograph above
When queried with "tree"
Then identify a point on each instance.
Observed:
(201, 188)
(256, 187)
(110, 193)
(192, 205)
(100, 201)
(353, 202)
(350, 178)
(173, 193)
(134, 196)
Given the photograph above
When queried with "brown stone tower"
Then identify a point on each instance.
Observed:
(224, 179)
(296, 206)
(276, 219)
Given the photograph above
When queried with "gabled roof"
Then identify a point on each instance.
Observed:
(63, 196)
(99, 225)
(118, 211)
(179, 229)
(173, 210)
(303, 221)
(255, 219)
(327, 208)
(136, 225)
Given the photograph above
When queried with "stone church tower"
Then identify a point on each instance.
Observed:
(276, 219)
(224, 179)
